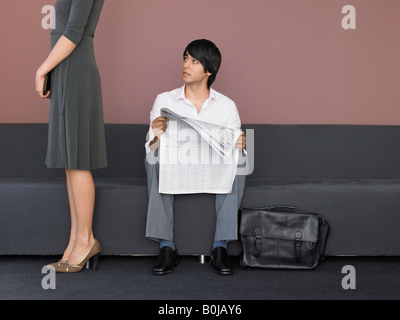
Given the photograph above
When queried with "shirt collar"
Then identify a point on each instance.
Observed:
(180, 95)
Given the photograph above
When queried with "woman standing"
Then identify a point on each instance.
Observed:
(76, 140)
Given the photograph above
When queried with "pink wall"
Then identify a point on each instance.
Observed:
(284, 61)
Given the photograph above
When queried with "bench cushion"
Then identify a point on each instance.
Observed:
(35, 214)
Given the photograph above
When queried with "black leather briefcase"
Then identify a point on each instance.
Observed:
(282, 237)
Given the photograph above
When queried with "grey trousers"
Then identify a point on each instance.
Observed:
(160, 215)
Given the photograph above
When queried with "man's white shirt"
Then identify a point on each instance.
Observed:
(217, 109)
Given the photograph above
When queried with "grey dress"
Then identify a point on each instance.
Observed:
(76, 137)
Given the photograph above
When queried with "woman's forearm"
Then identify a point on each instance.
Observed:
(60, 51)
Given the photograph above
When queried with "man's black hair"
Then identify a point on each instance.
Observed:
(209, 56)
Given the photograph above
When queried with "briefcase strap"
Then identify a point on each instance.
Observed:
(258, 239)
(298, 245)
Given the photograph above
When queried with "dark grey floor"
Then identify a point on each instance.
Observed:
(130, 278)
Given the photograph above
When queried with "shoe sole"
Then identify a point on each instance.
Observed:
(160, 273)
(224, 273)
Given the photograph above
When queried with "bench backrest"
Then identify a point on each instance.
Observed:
(280, 151)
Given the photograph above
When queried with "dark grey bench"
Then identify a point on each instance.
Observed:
(349, 174)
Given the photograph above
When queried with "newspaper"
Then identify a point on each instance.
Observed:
(197, 156)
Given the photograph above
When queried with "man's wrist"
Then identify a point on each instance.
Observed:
(153, 141)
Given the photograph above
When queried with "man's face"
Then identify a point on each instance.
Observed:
(193, 71)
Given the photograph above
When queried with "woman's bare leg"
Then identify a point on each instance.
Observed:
(74, 223)
(82, 190)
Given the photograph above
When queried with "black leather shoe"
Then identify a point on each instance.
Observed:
(166, 261)
(220, 261)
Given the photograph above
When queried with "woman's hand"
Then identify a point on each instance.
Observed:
(39, 81)
(61, 50)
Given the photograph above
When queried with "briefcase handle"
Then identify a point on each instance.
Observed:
(279, 208)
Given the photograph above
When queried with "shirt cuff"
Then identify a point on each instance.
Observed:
(151, 136)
